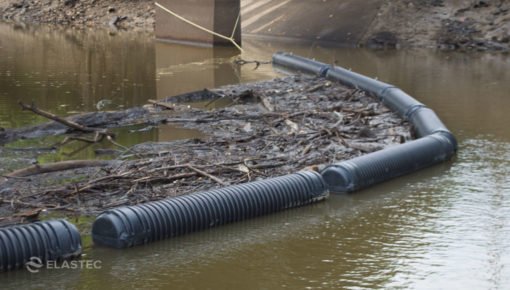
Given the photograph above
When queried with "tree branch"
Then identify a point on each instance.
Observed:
(68, 123)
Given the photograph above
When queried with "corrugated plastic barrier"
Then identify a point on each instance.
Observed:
(54, 240)
(136, 225)
(436, 144)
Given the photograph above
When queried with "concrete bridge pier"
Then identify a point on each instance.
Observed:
(217, 15)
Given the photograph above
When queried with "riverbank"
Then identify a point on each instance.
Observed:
(271, 128)
(82, 14)
(451, 25)
(448, 25)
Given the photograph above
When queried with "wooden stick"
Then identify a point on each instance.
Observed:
(161, 104)
(165, 178)
(26, 204)
(96, 139)
(16, 177)
(68, 123)
(78, 150)
(203, 173)
(58, 166)
(167, 168)
(218, 97)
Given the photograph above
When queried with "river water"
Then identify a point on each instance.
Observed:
(442, 228)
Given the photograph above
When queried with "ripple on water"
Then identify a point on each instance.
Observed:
(469, 234)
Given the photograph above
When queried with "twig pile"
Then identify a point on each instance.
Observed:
(273, 128)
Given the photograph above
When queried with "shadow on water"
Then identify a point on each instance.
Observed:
(443, 227)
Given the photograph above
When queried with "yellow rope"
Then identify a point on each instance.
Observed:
(231, 38)
(235, 26)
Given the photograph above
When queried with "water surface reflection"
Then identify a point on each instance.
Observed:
(445, 227)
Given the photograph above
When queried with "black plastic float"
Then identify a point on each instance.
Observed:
(136, 225)
(300, 64)
(395, 161)
(437, 143)
(53, 240)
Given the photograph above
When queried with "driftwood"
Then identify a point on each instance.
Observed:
(163, 105)
(257, 63)
(99, 133)
(30, 215)
(102, 119)
(317, 123)
(59, 166)
(63, 121)
(207, 175)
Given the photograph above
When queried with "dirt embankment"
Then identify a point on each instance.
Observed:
(460, 24)
(116, 14)
(453, 24)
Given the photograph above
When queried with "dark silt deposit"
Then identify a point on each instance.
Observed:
(269, 128)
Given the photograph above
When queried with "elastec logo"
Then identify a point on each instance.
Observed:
(34, 264)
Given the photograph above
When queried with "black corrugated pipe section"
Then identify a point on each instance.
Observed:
(436, 143)
(395, 161)
(300, 64)
(53, 240)
(353, 79)
(399, 101)
(136, 225)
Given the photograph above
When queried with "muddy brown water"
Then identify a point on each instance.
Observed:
(444, 227)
